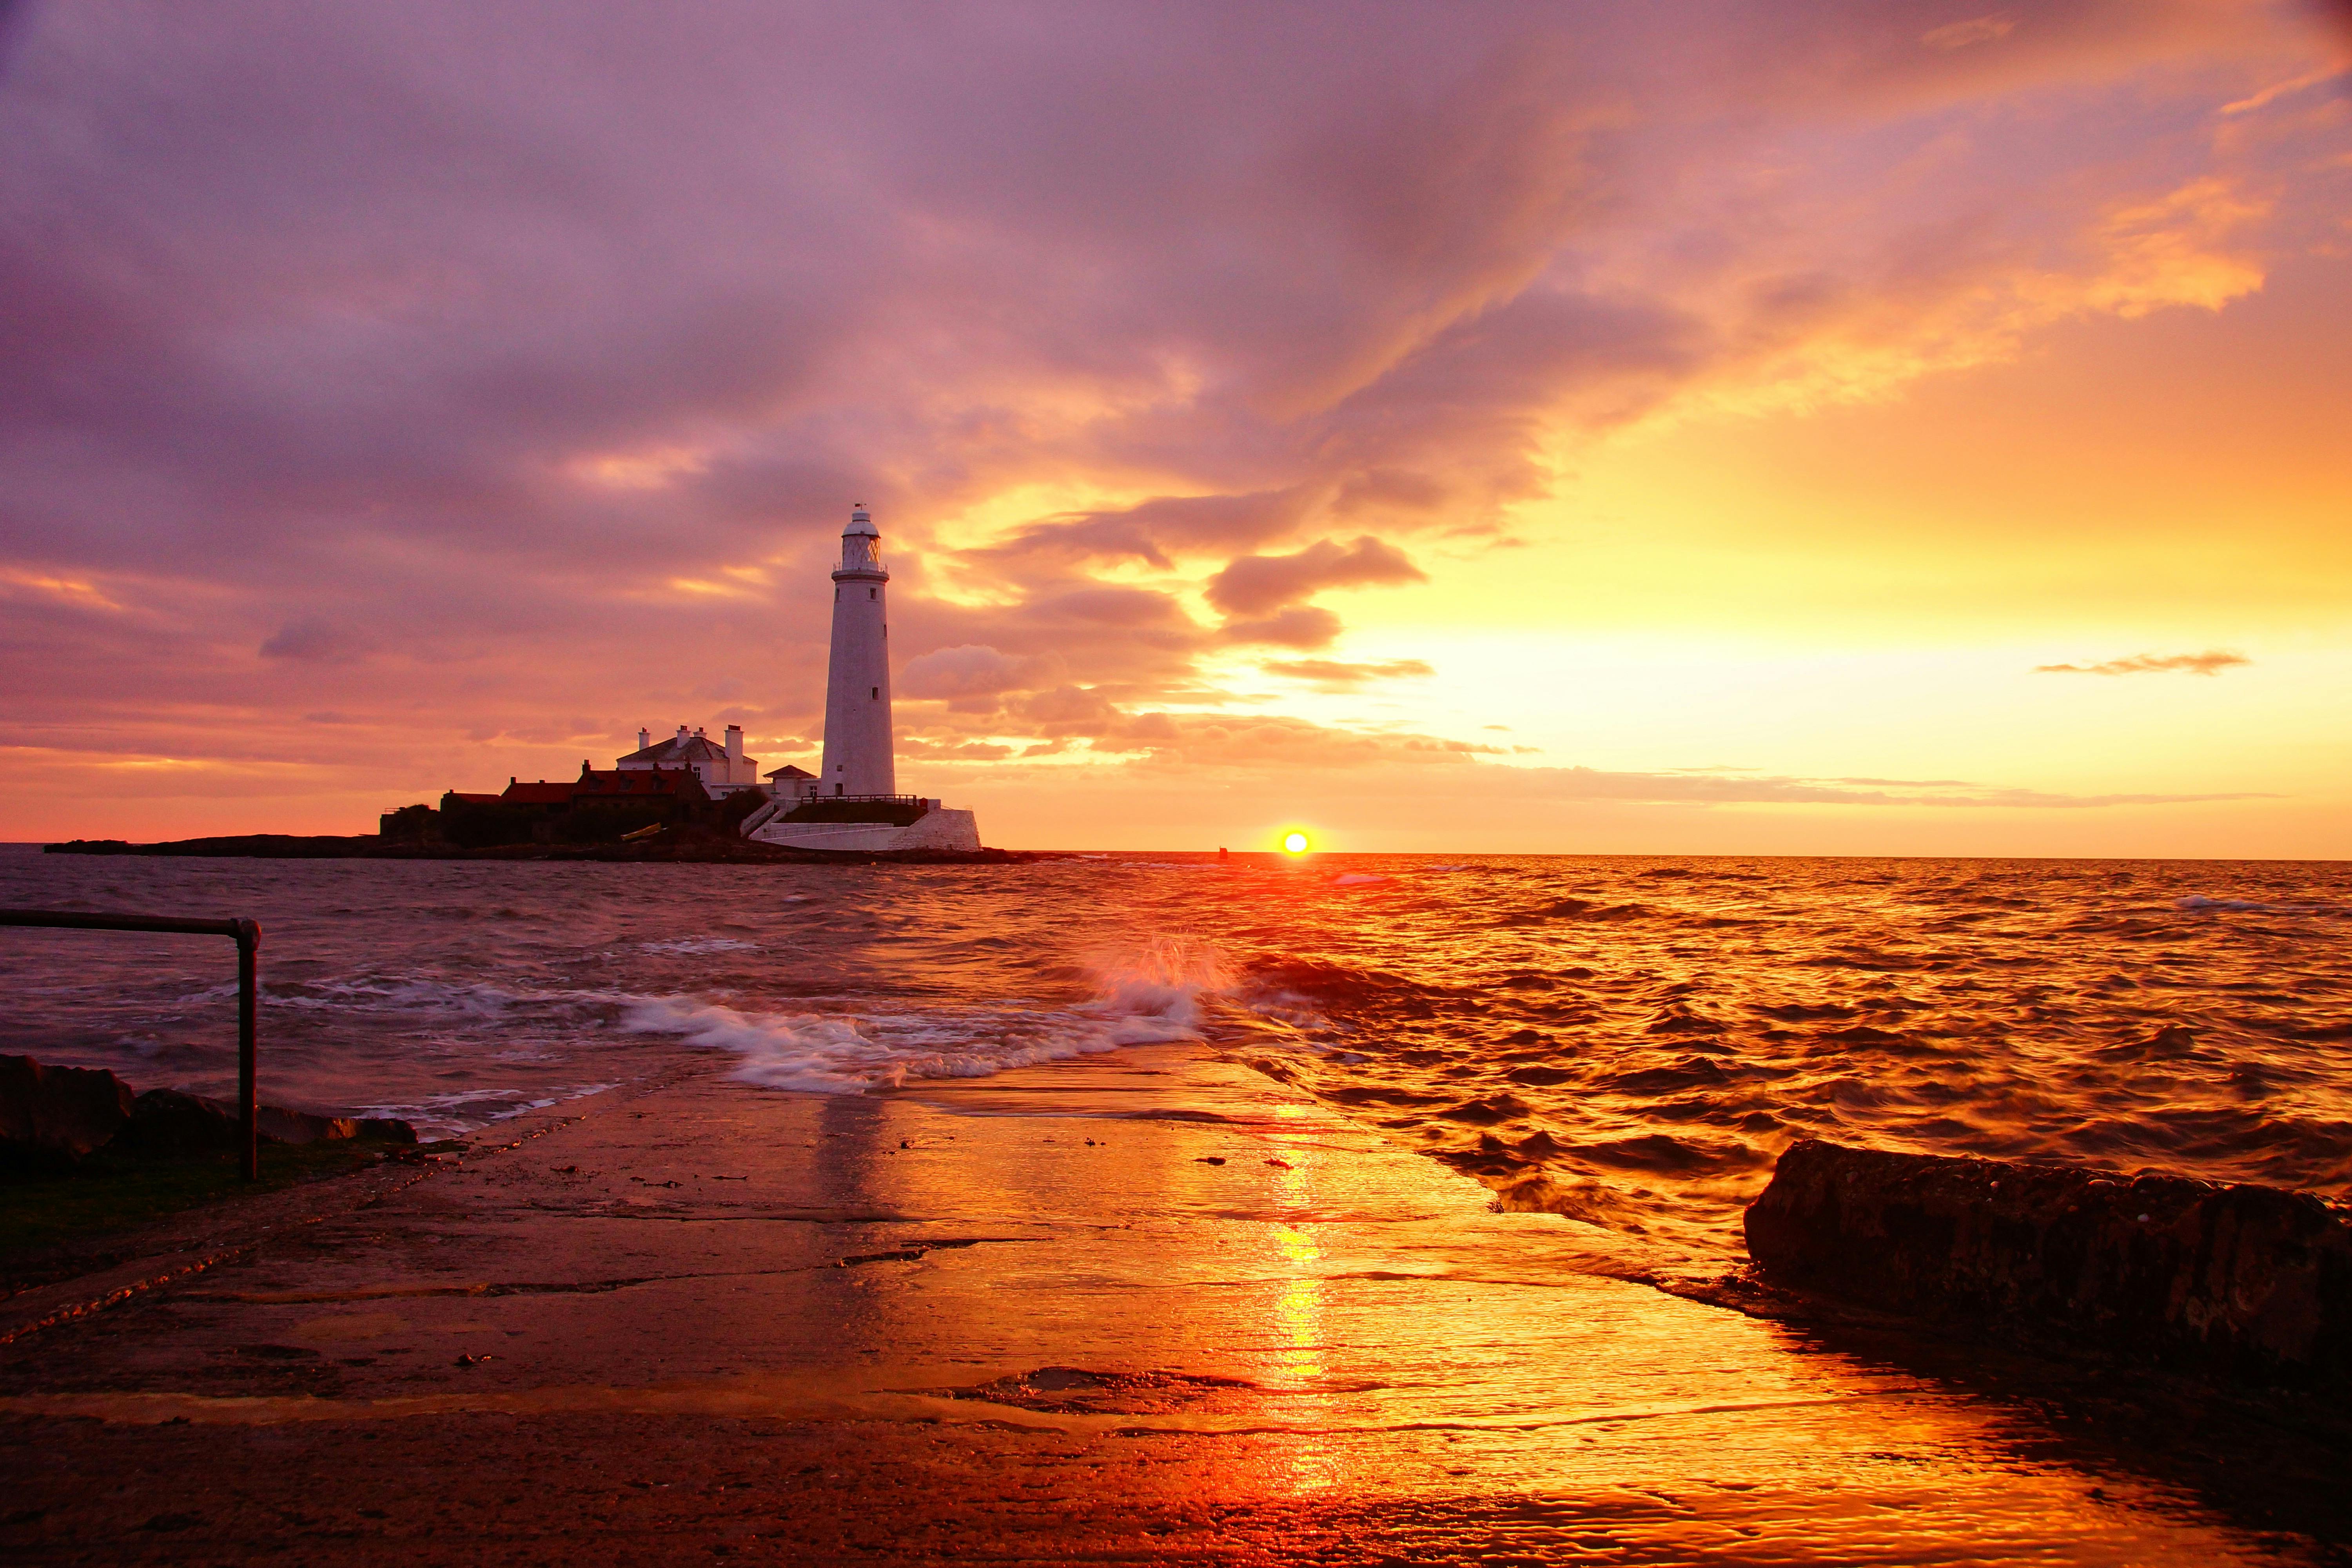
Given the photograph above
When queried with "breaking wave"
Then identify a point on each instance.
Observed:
(1148, 995)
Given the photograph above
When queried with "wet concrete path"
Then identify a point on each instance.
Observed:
(1149, 1308)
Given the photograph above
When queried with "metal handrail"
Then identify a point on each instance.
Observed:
(247, 934)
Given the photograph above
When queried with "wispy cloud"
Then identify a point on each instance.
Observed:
(1976, 30)
(313, 639)
(1763, 789)
(1334, 674)
(2212, 662)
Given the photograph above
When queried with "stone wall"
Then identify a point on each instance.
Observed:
(938, 829)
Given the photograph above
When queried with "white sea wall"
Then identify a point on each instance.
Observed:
(937, 829)
(941, 829)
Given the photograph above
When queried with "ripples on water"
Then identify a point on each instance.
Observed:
(1628, 1041)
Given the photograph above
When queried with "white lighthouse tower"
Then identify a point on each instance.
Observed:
(857, 742)
(854, 805)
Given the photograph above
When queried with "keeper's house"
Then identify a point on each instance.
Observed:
(722, 770)
(688, 778)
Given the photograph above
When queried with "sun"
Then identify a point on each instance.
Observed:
(1294, 843)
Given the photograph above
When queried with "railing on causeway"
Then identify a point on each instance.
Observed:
(247, 934)
(905, 799)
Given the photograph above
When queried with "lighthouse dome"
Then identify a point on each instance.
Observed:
(861, 521)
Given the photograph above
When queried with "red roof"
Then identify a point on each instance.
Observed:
(649, 783)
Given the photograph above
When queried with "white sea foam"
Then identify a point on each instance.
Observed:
(1167, 978)
(382, 993)
(838, 1053)
(699, 944)
(1355, 880)
(467, 1110)
(1144, 997)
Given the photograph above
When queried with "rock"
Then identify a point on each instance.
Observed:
(2248, 1281)
(167, 1121)
(52, 1116)
(282, 1126)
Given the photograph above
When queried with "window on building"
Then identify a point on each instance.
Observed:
(877, 694)
(873, 593)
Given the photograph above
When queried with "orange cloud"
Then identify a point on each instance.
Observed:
(2212, 662)
(1332, 675)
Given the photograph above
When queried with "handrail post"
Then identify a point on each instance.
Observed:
(248, 936)
(248, 1133)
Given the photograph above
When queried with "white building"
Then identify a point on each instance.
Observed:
(724, 770)
(798, 783)
(853, 802)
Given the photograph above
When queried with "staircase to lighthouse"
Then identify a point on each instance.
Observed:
(853, 802)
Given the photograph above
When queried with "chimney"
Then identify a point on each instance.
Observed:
(644, 740)
(734, 742)
(681, 731)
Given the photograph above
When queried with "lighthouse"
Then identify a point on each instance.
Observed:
(857, 742)
(854, 804)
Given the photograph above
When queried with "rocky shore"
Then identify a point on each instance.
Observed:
(695, 844)
(2243, 1281)
(55, 1119)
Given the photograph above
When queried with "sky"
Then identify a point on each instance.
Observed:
(1867, 427)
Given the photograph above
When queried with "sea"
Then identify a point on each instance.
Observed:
(1629, 1041)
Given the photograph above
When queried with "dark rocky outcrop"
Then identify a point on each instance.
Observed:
(695, 844)
(2244, 1280)
(249, 846)
(52, 1116)
(167, 1121)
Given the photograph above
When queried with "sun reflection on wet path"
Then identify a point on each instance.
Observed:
(1151, 1297)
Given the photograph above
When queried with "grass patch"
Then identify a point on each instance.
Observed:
(39, 1215)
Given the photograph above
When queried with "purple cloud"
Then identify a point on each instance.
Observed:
(534, 354)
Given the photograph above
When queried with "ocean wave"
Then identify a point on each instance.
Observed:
(832, 1053)
(469, 1111)
(1150, 996)
(2201, 903)
(1530, 1020)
